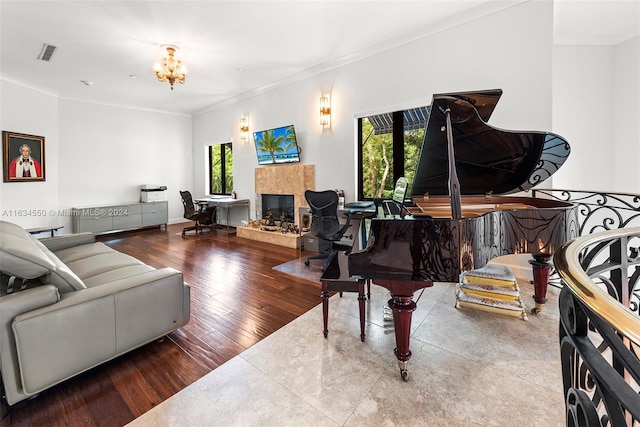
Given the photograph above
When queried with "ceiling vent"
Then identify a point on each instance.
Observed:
(47, 52)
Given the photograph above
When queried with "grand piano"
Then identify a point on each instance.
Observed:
(462, 213)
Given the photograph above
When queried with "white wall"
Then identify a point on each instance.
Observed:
(511, 49)
(95, 154)
(583, 115)
(596, 108)
(108, 152)
(31, 204)
(626, 114)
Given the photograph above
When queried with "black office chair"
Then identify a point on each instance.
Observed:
(325, 224)
(203, 218)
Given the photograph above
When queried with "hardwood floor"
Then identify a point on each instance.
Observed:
(237, 299)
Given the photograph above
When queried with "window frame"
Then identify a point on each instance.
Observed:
(223, 168)
(398, 147)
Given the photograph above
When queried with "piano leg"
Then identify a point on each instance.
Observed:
(325, 309)
(403, 307)
(541, 266)
(361, 305)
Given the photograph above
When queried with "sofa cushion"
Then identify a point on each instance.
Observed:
(96, 264)
(116, 274)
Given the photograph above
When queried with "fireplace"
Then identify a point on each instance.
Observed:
(281, 206)
(286, 179)
(290, 180)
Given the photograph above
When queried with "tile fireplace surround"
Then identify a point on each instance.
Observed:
(292, 179)
(285, 179)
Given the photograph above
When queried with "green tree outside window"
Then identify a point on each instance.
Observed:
(221, 169)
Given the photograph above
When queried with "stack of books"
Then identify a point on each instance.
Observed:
(492, 288)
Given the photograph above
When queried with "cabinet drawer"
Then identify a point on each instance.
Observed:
(126, 216)
(125, 210)
(91, 213)
(154, 218)
(154, 213)
(154, 207)
(97, 224)
(123, 222)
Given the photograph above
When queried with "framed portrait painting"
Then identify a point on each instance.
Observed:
(23, 157)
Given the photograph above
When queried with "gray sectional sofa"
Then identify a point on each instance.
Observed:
(69, 303)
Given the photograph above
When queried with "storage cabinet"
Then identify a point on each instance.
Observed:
(154, 213)
(119, 217)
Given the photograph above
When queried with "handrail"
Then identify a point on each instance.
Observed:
(599, 331)
(567, 263)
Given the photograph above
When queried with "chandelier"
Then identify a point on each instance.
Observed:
(171, 68)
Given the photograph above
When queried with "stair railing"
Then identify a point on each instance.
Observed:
(600, 327)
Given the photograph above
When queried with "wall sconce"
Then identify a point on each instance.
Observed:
(325, 111)
(244, 129)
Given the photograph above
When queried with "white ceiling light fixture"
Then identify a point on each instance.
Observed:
(171, 69)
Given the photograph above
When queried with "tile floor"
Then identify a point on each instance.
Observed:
(469, 368)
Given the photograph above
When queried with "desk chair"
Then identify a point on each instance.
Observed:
(325, 223)
(394, 208)
(203, 218)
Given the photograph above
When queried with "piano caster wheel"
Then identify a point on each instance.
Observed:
(537, 309)
(403, 370)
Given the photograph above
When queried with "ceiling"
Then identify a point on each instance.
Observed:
(235, 48)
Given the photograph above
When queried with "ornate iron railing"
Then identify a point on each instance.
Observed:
(600, 328)
(598, 211)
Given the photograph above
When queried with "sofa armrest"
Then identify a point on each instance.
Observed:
(21, 302)
(57, 243)
(90, 326)
(10, 306)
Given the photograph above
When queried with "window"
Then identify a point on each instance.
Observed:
(221, 169)
(389, 147)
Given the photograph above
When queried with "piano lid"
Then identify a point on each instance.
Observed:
(487, 159)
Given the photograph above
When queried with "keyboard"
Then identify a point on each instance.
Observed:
(358, 205)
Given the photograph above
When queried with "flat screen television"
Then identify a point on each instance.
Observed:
(277, 145)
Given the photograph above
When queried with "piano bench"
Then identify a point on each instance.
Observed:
(333, 281)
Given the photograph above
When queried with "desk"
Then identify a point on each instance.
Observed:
(51, 228)
(227, 203)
